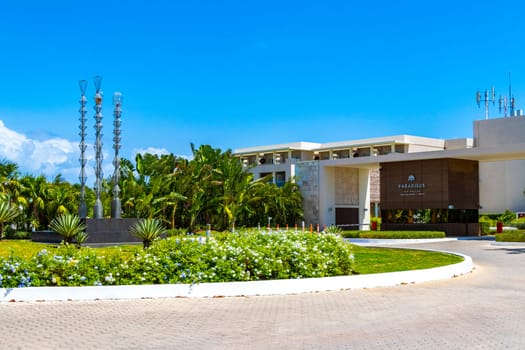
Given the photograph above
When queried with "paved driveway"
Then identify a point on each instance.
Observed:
(482, 310)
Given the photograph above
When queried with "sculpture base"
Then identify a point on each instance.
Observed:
(100, 231)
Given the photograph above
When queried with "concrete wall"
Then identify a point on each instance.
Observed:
(500, 131)
(501, 186)
(327, 190)
(308, 180)
(344, 188)
(364, 198)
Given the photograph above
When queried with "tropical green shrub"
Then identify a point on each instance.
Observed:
(485, 223)
(244, 256)
(69, 266)
(176, 232)
(81, 238)
(147, 230)
(507, 217)
(17, 235)
(351, 233)
(394, 234)
(510, 236)
(68, 226)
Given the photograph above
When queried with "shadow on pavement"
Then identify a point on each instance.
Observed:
(510, 250)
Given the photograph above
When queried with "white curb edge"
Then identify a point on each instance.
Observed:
(232, 289)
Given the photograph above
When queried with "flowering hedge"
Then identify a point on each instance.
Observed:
(244, 256)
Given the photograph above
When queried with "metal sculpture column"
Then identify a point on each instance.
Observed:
(82, 208)
(117, 112)
(98, 210)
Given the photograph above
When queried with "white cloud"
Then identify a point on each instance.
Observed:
(54, 156)
(150, 150)
(46, 157)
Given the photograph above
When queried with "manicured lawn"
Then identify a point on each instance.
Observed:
(377, 260)
(27, 249)
(22, 248)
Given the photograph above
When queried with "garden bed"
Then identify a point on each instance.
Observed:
(243, 256)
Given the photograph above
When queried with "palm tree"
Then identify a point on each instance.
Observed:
(238, 189)
(68, 226)
(147, 230)
(7, 214)
(35, 190)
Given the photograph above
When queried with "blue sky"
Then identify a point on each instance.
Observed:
(245, 73)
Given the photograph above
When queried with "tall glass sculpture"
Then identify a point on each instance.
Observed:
(82, 208)
(117, 112)
(98, 210)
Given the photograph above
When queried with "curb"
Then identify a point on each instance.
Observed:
(235, 289)
(508, 244)
(377, 241)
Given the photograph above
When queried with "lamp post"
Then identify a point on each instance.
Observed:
(82, 208)
(117, 112)
(98, 211)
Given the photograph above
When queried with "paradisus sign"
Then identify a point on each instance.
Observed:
(411, 187)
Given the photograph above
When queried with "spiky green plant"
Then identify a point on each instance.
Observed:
(68, 226)
(333, 229)
(147, 230)
(81, 238)
(7, 214)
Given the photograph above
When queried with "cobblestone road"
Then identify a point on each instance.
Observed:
(482, 310)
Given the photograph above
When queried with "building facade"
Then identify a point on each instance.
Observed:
(403, 177)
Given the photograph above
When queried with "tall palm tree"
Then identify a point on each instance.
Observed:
(35, 190)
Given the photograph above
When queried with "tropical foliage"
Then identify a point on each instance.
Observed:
(243, 256)
(69, 227)
(211, 188)
(7, 214)
(147, 230)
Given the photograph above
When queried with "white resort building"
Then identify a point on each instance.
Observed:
(401, 177)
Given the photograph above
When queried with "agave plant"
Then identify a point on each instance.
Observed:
(68, 226)
(333, 229)
(147, 230)
(7, 214)
(81, 238)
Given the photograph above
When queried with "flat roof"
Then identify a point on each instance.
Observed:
(376, 141)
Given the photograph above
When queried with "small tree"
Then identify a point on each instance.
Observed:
(147, 230)
(68, 226)
(7, 214)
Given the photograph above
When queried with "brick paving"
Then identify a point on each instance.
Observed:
(481, 310)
